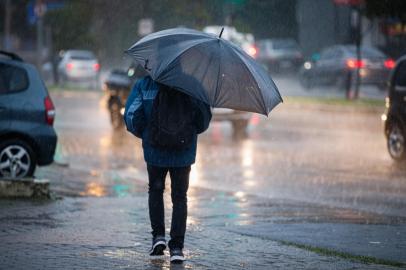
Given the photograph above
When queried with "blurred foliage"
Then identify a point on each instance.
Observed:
(386, 9)
(71, 25)
(266, 19)
(109, 27)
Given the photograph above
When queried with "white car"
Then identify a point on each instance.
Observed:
(78, 65)
(238, 119)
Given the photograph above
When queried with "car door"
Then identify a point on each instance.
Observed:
(399, 90)
(324, 65)
(4, 100)
(14, 100)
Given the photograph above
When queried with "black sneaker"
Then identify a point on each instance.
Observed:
(158, 246)
(176, 255)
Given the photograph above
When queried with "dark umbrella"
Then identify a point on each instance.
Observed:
(207, 67)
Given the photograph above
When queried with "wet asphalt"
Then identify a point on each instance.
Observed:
(326, 155)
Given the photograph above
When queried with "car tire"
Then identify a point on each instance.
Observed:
(17, 159)
(396, 142)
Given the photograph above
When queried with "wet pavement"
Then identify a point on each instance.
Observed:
(334, 157)
(304, 172)
(113, 233)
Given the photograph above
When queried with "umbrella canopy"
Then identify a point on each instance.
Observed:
(207, 67)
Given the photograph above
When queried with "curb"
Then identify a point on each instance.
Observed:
(24, 188)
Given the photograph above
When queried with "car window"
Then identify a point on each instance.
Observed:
(285, 45)
(367, 52)
(12, 79)
(328, 54)
(81, 55)
(400, 75)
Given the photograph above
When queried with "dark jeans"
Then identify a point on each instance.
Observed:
(179, 187)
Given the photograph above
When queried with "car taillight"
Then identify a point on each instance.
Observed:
(354, 63)
(49, 111)
(252, 51)
(69, 66)
(389, 64)
(96, 66)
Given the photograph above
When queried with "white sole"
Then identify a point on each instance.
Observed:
(177, 258)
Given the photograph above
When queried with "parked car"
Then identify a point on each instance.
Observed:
(395, 116)
(79, 66)
(338, 64)
(27, 136)
(238, 119)
(279, 54)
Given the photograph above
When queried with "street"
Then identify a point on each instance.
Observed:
(331, 156)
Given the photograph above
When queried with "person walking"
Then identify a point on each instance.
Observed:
(168, 122)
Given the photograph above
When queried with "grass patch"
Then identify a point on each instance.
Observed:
(362, 102)
(344, 255)
(54, 88)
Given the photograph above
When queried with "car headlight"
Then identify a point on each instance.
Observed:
(307, 65)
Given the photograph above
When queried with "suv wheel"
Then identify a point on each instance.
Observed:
(396, 142)
(17, 159)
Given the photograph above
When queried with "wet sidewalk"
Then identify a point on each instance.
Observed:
(225, 231)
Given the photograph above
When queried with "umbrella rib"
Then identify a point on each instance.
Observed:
(249, 72)
(218, 76)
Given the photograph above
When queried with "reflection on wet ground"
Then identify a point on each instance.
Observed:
(336, 158)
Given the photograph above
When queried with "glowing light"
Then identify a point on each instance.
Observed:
(355, 63)
(105, 142)
(389, 64)
(246, 154)
(94, 189)
(384, 117)
(307, 65)
(249, 183)
(239, 194)
(194, 175)
(252, 51)
(248, 173)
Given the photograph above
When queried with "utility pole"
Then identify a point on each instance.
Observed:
(7, 26)
(358, 39)
(40, 9)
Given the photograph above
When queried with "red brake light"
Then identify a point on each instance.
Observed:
(49, 111)
(96, 66)
(389, 64)
(354, 63)
(69, 66)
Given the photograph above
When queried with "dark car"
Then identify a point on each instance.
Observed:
(338, 64)
(27, 136)
(279, 54)
(395, 124)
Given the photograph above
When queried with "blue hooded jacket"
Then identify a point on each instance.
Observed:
(137, 115)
